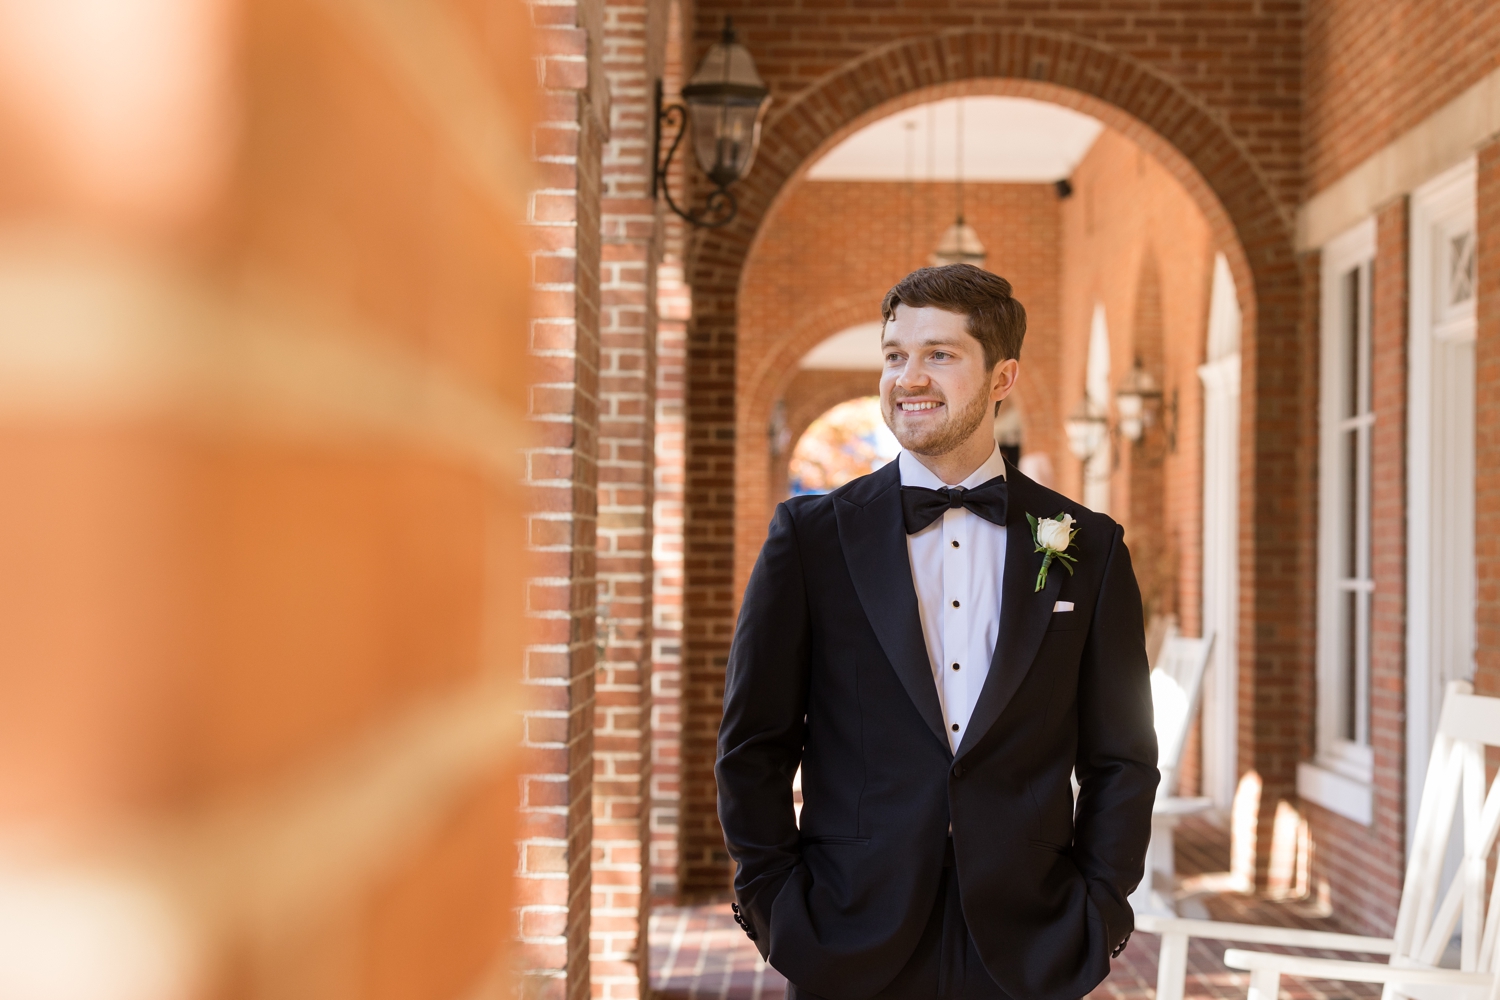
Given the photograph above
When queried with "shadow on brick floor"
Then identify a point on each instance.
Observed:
(698, 953)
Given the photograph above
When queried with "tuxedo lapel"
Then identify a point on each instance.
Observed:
(1024, 613)
(873, 537)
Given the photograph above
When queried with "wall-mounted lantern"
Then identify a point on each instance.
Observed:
(725, 102)
(1139, 400)
(1087, 427)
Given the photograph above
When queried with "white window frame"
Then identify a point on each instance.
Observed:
(1220, 375)
(1440, 465)
(1342, 774)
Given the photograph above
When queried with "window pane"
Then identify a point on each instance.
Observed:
(1350, 505)
(1349, 666)
(1350, 346)
(1361, 709)
(1461, 269)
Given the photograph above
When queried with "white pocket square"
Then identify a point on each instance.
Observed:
(1062, 606)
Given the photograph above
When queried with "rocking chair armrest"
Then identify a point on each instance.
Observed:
(1351, 972)
(1176, 806)
(1290, 937)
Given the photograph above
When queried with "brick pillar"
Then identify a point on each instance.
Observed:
(674, 304)
(261, 520)
(1487, 425)
(564, 223)
(634, 35)
(674, 307)
(1383, 863)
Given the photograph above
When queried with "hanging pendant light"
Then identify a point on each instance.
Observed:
(959, 243)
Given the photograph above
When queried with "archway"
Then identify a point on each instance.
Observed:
(1247, 222)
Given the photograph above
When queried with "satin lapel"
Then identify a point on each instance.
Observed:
(874, 543)
(1024, 615)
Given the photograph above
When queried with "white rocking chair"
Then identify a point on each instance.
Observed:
(1176, 682)
(1426, 919)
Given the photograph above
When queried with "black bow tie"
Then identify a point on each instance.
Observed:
(921, 506)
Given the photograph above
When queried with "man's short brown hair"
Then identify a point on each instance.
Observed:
(996, 319)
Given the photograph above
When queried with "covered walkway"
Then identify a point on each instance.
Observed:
(698, 953)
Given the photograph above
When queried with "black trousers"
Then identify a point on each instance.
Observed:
(945, 965)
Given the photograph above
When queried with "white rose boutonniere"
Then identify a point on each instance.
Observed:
(1053, 535)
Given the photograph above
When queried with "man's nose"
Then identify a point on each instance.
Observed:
(912, 375)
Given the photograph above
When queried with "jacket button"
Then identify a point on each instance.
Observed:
(958, 770)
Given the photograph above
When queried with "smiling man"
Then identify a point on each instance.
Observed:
(939, 645)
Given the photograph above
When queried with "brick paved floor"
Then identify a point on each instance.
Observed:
(698, 953)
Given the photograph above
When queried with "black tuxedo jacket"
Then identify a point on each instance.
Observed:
(829, 670)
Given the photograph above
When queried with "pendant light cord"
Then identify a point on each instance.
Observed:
(958, 142)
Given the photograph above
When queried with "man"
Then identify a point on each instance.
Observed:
(939, 648)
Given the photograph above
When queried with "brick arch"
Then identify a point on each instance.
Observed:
(1248, 223)
(756, 469)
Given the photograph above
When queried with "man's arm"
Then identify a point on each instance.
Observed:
(760, 739)
(1116, 764)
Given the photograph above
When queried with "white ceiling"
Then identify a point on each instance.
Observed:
(854, 349)
(1005, 139)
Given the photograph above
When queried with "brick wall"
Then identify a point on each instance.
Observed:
(261, 529)
(1375, 68)
(674, 307)
(562, 473)
(1135, 242)
(1221, 113)
(1363, 866)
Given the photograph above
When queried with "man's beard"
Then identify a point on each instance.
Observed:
(943, 438)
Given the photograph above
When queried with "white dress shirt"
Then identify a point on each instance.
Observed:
(957, 563)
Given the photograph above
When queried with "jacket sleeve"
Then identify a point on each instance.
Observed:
(1116, 763)
(761, 736)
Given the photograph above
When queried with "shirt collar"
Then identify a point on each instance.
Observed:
(914, 473)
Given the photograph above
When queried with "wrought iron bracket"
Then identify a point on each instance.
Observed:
(720, 207)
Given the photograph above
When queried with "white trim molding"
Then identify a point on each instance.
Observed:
(1220, 376)
(1333, 791)
(1440, 141)
(1440, 575)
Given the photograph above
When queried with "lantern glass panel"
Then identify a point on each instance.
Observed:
(726, 133)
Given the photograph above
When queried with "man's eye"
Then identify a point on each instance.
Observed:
(892, 358)
(941, 355)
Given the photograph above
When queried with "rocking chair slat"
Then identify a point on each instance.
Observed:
(1433, 850)
(1435, 941)
(1491, 924)
(1473, 871)
(1417, 874)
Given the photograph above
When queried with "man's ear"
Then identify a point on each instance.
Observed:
(1003, 378)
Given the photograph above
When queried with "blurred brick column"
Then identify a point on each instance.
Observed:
(261, 522)
(556, 809)
(634, 37)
